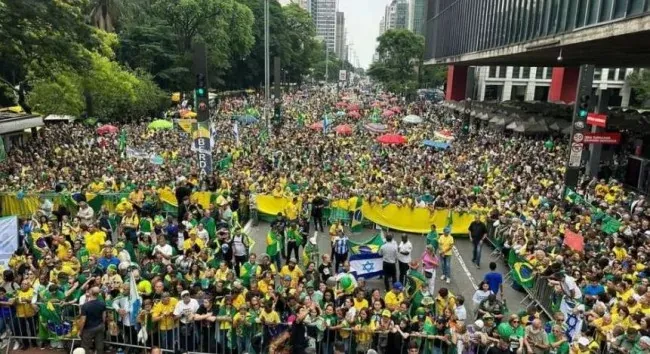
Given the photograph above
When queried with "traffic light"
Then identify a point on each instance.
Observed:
(201, 86)
(583, 107)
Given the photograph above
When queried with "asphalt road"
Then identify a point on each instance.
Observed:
(465, 276)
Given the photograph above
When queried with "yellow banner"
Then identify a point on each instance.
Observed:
(186, 124)
(416, 220)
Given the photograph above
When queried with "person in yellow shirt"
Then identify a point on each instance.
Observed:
(394, 297)
(291, 270)
(445, 245)
(360, 301)
(619, 252)
(222, 273)
(25, 302)
(192, 241)
(130, 223)
(268, 316)
(137, 198)
(292, 209)
(95, 239)
(163, 315)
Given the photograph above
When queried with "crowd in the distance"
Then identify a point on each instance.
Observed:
(202, 288)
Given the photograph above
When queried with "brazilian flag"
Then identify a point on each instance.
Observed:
(357, 216)
(272, 243)
(370, 246)
(415, 282)
(523, 274)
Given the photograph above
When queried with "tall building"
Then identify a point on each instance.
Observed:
(417, 16)
(382, 25)
(522, 83)
(397, 15)
(340, 35)
(323, 13)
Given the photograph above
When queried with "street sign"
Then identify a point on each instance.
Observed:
(575, 157)
(597, 120)
(603, 138)
(343, 75)
(578, 138)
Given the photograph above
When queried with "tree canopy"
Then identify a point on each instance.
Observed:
(400, 65)
(640, 82)
(56, 54)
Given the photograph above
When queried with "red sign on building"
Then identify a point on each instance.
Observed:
(597, 120)
(602, 138)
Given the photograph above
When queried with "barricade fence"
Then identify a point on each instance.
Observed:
(58, 325)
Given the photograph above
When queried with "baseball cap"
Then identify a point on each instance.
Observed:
(287, 277)
(584, 341)
(479, 324)
(397, 285)
(385, 313)
(645, 340)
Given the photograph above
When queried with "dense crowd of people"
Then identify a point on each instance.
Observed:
(203, 289)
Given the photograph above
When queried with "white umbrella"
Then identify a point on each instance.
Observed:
(413, 119)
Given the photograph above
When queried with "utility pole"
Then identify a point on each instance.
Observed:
(327, 62)
(267, 67)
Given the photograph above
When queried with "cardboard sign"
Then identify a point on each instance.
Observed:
(573, 240)
(597, 120)
(603, 138)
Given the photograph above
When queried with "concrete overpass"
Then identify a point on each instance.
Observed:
(559, 33)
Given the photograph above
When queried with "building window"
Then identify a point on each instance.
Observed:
(611, 74)
(547, 73)
(622, 73)
(516, 72)
(526, 74)
(492, 71)
(598, 73)
(502, 72)
(539, 74)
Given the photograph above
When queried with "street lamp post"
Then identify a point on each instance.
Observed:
(267, 67)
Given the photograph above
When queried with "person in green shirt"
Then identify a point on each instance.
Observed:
(248, 270)
(432, 237)
(512, 331)
(558, 341)
(81, 253)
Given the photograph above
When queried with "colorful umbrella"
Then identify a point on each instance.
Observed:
(247, 119)
(343, 129)
(317, 126)
(107, 129)
(376, 127)
(353, 107)
(444, 134)
(441, 145)
(388, 113)
(413, 119)
(354, 114)
(160, 124)
(396, 109)
(391, 139)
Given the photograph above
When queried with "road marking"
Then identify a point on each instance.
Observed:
(464, 266)
(248, 226)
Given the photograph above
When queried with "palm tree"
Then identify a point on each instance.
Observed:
(104, 14)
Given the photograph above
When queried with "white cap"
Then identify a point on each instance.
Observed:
(584, 341)
(479, 324)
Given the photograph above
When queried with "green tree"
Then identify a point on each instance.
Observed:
(304, 50)
(42, 38)
(640, 82)
(400, 54)
(432, 76)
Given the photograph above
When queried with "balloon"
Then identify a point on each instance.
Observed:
(549, 144)
(346, 282)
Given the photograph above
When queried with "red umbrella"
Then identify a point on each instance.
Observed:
(388, 113)
(391, 139)
(353, 107)
(317, 126)
(343, 129)
(107, 129)
(396, 109)
(354, 114)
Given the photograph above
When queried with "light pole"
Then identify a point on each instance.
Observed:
(267, 67)
(327, 56)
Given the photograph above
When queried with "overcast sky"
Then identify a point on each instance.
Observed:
(362, 22)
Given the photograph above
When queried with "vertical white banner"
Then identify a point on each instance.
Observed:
(8, 238)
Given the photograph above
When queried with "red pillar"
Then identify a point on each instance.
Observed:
(564, 84)
(456, 83)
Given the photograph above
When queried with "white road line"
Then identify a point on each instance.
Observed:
(248, 226)
(464, 266)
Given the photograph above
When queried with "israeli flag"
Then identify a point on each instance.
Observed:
(367, 265)
(134, 299)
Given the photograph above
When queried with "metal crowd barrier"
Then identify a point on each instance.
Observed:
(57, 326)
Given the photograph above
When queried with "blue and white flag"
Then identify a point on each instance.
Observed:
(235, 131)
(365, 259)
(134, 299)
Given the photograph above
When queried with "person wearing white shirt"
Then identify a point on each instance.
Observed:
(202, 233)
(164, 250)
(388, 252)
(404, 257)
(123, 306)
(184, 312)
